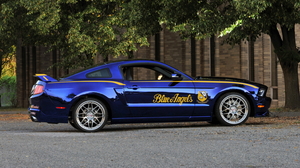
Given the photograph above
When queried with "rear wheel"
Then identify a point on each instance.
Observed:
(89, 115)
(232, 109)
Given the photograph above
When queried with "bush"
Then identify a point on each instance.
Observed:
(8, 91)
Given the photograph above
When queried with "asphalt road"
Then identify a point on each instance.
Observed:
(27, 144)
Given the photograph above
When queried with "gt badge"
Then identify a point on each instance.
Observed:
(202, 97)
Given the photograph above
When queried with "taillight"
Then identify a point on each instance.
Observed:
(37, 89)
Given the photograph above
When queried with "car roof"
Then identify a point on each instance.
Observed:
(114, 67)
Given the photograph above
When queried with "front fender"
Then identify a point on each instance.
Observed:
(248, 94)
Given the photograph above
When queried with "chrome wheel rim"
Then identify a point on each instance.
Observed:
(234, 109)
(90, 115)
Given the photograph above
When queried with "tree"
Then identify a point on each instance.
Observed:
(81, 29)
(239, 20)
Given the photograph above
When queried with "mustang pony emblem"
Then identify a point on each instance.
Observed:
(202, 97)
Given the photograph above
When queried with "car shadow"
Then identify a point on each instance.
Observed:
(131, 127)
(183, 125)
(145, 126)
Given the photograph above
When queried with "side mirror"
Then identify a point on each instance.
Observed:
(176, 77)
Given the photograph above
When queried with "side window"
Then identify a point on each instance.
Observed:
(102, 73)
(146, 73)
(142, 73)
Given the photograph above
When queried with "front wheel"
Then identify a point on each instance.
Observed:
(232, 109)
(89, 115)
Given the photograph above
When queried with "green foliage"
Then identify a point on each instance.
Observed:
(142, 16)
(8, 91)
(80, 29)
(83, 29)
(200, 19)
(9, 63)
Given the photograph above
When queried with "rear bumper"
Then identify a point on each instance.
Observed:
(38, 116)
(32, 116)
(43, 109)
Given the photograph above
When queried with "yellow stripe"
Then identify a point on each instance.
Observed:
(118, 83)
(45, 78)
(205, 82)
(227, 82)
(40, 75)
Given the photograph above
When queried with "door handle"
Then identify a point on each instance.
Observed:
(134, 87)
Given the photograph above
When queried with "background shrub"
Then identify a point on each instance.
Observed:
(8, 91)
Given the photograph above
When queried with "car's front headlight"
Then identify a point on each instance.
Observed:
(261, 92)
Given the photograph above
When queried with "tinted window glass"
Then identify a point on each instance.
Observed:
(102, 73)
(146, 73)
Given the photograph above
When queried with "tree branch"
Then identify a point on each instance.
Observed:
(275, 37)
(288, 37)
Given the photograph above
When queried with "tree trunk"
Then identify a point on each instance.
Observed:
(291, 81)
(289, 57)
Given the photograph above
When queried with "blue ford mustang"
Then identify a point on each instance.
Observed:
(138, 91)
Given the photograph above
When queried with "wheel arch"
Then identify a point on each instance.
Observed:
(100, 97)
(243, 92)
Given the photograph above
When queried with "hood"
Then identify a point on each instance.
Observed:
(209, 78)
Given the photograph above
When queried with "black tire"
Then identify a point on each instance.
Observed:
(214, 121)
(72, 123)
(89, 115)
(232, 109)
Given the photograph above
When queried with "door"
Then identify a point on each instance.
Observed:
(152, 92)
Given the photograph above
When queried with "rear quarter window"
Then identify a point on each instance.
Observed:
(102, 73)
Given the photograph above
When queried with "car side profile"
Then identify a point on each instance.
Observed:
(143, 91)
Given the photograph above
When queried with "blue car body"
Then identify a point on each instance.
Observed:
(178, 97)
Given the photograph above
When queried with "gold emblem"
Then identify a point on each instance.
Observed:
(202, 97)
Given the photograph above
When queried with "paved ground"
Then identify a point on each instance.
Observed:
(267, 142)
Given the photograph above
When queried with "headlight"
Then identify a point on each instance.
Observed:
(261, 92)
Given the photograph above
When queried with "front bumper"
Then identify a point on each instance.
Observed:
(262, 107)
